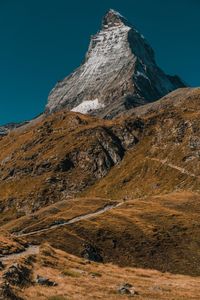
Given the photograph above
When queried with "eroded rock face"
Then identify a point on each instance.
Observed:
(119, 73)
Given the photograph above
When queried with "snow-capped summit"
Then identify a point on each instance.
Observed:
(119, 73)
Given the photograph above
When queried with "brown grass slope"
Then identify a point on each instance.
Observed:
(77, 279)
(65, 153)
(152, 155)
(167, 158)
(57, 157)
(157, 232)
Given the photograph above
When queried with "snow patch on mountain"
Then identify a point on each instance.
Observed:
(88, 106)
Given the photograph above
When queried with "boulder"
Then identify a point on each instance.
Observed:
(127, 289)
(45, 281)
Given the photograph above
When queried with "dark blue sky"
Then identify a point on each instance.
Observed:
(42, 41)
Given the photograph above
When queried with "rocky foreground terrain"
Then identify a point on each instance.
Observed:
(100, 194)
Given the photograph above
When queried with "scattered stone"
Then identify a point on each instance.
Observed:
(45, 281)
(95, 274)
(194, 143)
(127, 289)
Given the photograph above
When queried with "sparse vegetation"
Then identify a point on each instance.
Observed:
(95, 274)
(71, 273)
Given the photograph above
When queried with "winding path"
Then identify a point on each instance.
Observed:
(103, 209)
(73, 220)
(32, 249)
(35, 249)
(180, 169)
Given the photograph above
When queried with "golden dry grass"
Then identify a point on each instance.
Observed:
(149, 284)
(9, 245)
(159, 232)
(158, 226)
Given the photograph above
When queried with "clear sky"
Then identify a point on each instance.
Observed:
(42, 41)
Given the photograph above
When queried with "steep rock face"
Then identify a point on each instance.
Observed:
(119, 73)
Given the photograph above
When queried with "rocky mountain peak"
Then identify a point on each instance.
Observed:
(119, 73)
(112, 19)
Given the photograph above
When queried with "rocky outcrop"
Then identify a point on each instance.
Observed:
(7, 293)
(119, 73)
(91, 253)
(18, 274)
(16, 277)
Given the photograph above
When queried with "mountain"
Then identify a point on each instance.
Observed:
(119, 73)
(93, 202)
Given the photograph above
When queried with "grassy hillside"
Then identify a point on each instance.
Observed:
(68, 165)
(77, 279)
